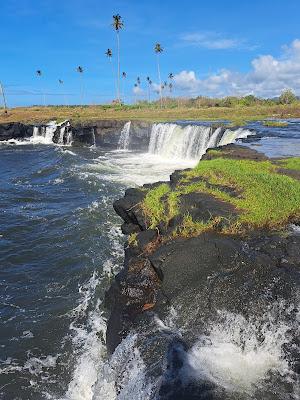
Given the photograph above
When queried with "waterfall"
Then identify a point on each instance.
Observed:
(53, 133)
(44, 134)
(191, 141)
(125, 137)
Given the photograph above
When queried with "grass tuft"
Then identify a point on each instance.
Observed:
(275, 124)
(291, 163)
(263, 197)
(152, 205)
(132, 240)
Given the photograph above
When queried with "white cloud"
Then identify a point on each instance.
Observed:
(211, 40)
(138, 90)
(267, 77)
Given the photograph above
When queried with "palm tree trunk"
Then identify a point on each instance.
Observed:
(118, 40)
(81, 90)
(159, 79)
(3, 96)
(149, 93)
(113, 75)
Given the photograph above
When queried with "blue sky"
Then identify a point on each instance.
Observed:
(213, 48)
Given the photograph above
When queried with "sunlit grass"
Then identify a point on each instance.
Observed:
(262, 197)
(238, 115)
(291, 163)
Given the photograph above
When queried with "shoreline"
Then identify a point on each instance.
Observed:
(90, 114)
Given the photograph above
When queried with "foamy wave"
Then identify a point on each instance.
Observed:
(239, 354)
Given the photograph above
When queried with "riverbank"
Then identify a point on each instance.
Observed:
(219, 239)
(238, 115)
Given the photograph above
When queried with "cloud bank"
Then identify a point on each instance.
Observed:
(267, 78)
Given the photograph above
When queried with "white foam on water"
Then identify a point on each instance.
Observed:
(123, 376)
(239, 354)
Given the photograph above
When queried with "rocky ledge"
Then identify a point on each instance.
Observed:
(203, 243)
(104, 133)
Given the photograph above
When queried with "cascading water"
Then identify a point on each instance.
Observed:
(46, 134)
(191, 141)
(125, 137)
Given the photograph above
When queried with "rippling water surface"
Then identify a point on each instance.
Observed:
(60, 245)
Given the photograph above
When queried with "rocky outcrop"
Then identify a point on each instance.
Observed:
(244, 275)
(106, 133)
(15, 131)
(103, 133)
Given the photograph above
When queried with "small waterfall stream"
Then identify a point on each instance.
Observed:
(125, 137)
(191, 141)
(53, 133)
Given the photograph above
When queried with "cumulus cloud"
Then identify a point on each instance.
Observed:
(138, 90)
(211, 40)
(267, 77)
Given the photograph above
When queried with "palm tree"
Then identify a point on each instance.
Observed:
(79, 69)
(158, 50)
(39, 74)
(109, 54)
(135, 92)
(149, 86)
(171, 77)
(124, 76)
(61, 82)
(3, 96)
(118, 25)
(138, 80)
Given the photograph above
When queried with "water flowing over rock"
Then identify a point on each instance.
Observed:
(124, 137)
(191, 141)
(217, 315)
(53, 133)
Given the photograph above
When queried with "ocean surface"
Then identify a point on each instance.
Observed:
(60, 246)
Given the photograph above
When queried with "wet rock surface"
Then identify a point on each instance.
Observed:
(199, 276)
(15, 131)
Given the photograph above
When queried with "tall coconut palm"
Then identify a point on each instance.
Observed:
(149, 87)
(118, 25)
(171, 86)
(39, 75)
(61, 82)
(135, 92)
(109, 54)
(4, 98)
(158, 50)
(124, 76)
(79, 69)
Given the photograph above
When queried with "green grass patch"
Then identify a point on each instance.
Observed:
(153, 206)
(132, 240)
(263, 197)
(191, 228)
(276, 124)
(291, 163)
(267, 199)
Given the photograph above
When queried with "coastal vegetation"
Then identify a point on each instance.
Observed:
(292, 163)
(262, 196)
(275, 124)
(188, 110)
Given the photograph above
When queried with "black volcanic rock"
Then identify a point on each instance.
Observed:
(252, 276)
(15, 130)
